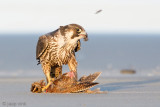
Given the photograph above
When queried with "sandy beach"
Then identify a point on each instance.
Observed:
(122, 92)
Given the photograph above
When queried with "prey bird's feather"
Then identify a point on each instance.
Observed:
(90, 78)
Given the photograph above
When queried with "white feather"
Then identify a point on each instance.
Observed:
(60, 41)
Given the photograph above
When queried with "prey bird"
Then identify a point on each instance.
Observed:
(67, 83)
(58, 48)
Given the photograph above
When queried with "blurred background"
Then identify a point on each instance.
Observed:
(124, 35)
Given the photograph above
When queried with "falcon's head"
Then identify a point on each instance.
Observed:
(73, 32)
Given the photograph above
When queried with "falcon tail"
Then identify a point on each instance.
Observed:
(82, 87)
(90, 78)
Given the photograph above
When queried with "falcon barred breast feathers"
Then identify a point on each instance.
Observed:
(58, 48)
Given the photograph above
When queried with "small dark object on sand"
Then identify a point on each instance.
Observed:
(128, 71)
(68, 84)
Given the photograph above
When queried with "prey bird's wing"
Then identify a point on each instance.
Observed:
(41, 46)
(90, 78)
(82, 87)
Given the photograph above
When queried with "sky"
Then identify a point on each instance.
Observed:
(19, 16)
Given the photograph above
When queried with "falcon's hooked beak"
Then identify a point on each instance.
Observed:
(85, 36)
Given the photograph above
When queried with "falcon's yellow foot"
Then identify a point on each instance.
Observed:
(52, 79)
(47, 86)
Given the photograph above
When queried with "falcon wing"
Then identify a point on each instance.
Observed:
(41, 46)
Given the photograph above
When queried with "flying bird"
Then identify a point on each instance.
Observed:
(98, 11)
(58, 48)
(67, 83)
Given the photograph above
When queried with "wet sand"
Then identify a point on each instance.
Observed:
(122, 92)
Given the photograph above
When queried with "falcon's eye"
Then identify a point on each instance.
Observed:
(79, 30)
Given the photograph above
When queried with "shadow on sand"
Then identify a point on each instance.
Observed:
(125, 85)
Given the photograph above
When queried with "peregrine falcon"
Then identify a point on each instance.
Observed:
(58, 48)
